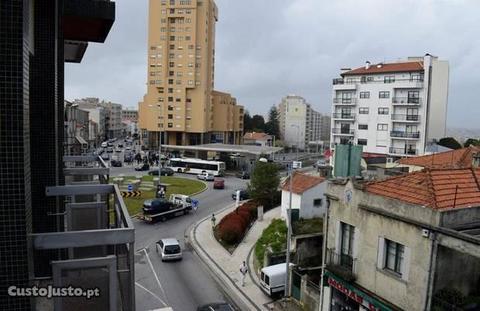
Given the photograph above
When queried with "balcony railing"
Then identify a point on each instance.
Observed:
(341, 264)
(403, 151)
(345, 101)
(403, 134)
(343, 131)
(406, 117)
(414, 101)
(344, 116)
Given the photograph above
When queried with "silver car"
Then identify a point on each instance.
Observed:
(206, 177)
(169, 249)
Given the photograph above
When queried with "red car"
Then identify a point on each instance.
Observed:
(218, 183)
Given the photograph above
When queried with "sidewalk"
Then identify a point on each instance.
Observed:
(225, 266)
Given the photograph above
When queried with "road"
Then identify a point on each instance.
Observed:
(182, 285)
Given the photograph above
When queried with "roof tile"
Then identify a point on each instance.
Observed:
(302, 182)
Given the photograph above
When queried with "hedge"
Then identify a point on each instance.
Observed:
(232, 228)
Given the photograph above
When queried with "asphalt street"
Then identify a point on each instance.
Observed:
(182, 285)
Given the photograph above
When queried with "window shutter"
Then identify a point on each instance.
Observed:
(356, 242)
(338, 237)
(381, 252)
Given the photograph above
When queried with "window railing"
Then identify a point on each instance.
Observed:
(404, 134)
(345, 100)
(407, 100)
(342, 264)
(403, 151)
(343, 131)
(405, 117)
(345, 116)
(382, 80)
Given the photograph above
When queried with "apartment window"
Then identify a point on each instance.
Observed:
(164, 11)
(170, 108)
(163, 29)
(170, 116)
(172, 2)
(161, 99)
(178, 82)
(170, 99)
(170, 124)
(190, 82)
(366, 79)
(363, 126)
(191, 46)
(188, 100)
(171, 64)
(152, 81)
(171, 73)
(178, 100)
(416, 77)
(188, 20)
(364, 94)
(172, 46)
(170, 81)
(413, 97)
(160, 124)
(172, 29)
(346, 241)
(179, 74)
(384, 94)
(187, 38)
(164, 2)
(389, 79)
(362, 142)
(161, 89)
(362, 110)
(172, 11)
(317, 202)
(394, 256)
(382, 127)
(382, 110)
(171, 55)
(170, 90)
(172, 38)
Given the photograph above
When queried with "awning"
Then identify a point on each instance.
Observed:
(80, 140)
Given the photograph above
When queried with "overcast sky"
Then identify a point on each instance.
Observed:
(266, 49)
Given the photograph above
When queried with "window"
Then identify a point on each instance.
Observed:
(170, 81)
(172, 46)
(416, 77)
(317, 202)
(172, 2)
(170, 108)
(171, 73)
(187, 38)
(382, 127)
(170, 124)
(172, 11)
(346, 241)
(362, 142)
(188, 100)
(170, 90)
(413, 97)
(389, 79)
(172, 38)
(382, 110)
(171, 64)
(366, 79)
(363, 126)
(364, 94)
(362, 110)
(178, 100)
(394, 255)
(384, 94)
(170, 116)
(170, 99)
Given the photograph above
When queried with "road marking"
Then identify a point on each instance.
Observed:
(155, 274)
(151, 293)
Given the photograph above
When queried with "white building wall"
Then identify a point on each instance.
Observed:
(437, 116)
(304, 202)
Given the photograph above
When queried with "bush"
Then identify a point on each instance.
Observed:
(275, 236)
(234, 225)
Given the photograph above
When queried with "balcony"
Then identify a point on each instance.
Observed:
(403, 151)
(344, 116)
(403, 134)
(342, 84)
(407, 101)
(342, 265)
(340, 131)
(409, 84)
(406, 117)
(345, 101)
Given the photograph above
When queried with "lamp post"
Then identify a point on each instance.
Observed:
(289, 234)
(159, 147)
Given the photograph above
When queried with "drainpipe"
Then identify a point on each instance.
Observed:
(431, 270)
(324, 252)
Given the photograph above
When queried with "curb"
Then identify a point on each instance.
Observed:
(230, 288)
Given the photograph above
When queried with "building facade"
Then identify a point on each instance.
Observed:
(257, 139)
(400, 250)
(77, 130)
(391, 108)
(180, 105)
(299, 122)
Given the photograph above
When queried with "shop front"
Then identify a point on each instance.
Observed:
(347, 297)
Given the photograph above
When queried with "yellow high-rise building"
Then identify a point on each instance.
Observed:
(180, 104)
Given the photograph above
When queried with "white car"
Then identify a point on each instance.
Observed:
(169, 249)
(206, 177)
(104, 144)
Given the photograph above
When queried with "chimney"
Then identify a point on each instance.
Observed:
(476, 160)
(367, 65)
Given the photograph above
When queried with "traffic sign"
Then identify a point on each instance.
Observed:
(131, 194)
(297, 164)
(130, 188)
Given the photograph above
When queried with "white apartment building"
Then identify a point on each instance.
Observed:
(299, 123)
(391, 108)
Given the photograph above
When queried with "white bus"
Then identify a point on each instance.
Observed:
(196, 166)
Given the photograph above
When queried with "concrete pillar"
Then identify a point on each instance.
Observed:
(260, 213)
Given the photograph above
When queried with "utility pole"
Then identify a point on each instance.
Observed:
(289, 234)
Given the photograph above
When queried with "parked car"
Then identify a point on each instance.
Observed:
(243, 195)
(109, 144)
(143, 167)
(169, 249)
(110, 149)
(243, 175)
(219, 183)
(164, 171)
(120, 145)
(217, 306)
(105, 156)
(206, 177)
(104, 144)
(320, 163)
(128, 148)
(116, 163)
(118, 150)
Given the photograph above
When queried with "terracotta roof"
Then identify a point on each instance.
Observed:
(389, 67)
(433, 188)
(460, 158)
(256, 136)
(302, 182)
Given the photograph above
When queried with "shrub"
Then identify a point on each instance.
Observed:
(275, 236)
(234, 225)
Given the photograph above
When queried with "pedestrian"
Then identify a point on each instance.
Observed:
(213, 220)
(243, 272)
(194, 205)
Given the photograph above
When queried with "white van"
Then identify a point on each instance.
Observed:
(181, 199)
(272, 278)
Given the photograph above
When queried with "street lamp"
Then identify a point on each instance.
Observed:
(159, 147)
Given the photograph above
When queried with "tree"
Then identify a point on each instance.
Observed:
(471, 142)
(247, 122)
(258, 123)
(264, 183)
(272, 127)
(449, 142)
